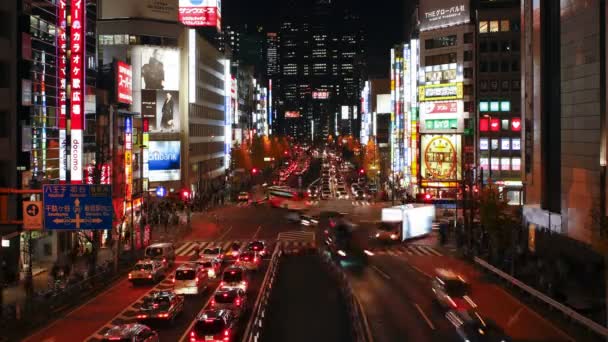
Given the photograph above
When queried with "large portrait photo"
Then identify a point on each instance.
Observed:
(167, 112)
(160, 68)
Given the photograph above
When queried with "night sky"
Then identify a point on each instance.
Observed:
(386, 22)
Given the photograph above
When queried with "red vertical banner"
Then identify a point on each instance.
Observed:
(77, 81)
(62, 48)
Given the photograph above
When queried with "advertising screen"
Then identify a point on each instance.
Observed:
(292, 114)
(344, 113)
(143, 9)
(164, 161)
(200, 13)
(441, 13)
(438, 92)
(320, 95)
(440, 157)
(124, 82)
(160, 68)
(161, 108)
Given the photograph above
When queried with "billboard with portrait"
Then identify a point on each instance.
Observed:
(164, 158)
(434, 14)
(165, 10)
(159, 68)
(440, 156)
(161, 108)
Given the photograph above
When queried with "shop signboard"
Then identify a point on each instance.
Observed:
(440, 92)
(440, 156)
(443, 13)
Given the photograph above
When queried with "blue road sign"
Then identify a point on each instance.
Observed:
(77, 206)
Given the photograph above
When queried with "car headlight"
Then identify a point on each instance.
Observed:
(377, 235)
(394, 236)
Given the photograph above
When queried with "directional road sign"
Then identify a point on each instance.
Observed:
(77, 206)
(32, 215)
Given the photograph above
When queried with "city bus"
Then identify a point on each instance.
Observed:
(286, 197)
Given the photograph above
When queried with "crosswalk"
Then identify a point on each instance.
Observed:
(408, 250)
(188, 248)
(286, 241)
(360, 203)
(296, 239)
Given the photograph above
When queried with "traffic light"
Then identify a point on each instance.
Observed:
(361, 171)
(185, 195)
(254, 171)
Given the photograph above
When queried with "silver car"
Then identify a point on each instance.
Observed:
(147, 270)
(190, 279)
(131, 332)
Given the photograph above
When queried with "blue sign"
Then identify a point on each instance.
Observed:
(77, 207)
(164, 160)
(161, 191)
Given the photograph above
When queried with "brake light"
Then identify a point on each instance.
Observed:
(164, 260)
(225, 295)
(192, 336)
(227, 332)
(149, 276)
(213, 302)
(196, 279)
(244, 283)
(130, 276)
(173, 280)
(238, 302)
(155, 306)
(142, 316)
(163, 315)
(221, 283)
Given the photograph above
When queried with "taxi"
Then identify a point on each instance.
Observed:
(148, 270)
(161, 305)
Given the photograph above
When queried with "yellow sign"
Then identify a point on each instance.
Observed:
(440, 157)
(532, 237)
(32, 215)
(440, 92)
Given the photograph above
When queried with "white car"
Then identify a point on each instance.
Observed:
(212, 253)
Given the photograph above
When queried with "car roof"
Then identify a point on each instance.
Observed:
(186, 267)
(212, 314)
(228, 290)
(234, 268)
(125, 330)
(163, 293)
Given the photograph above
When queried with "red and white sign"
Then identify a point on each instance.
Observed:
(63, 76)
(516, 124)
(124, 79)
(448, 107)
(321, 95)
(77, 80)
(200, 13)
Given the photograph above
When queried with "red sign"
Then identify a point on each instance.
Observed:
(200, 16)
(494, 125)
(516, 125)
(484, 124)
(450, 107)
(62, 46)
(124, 92)
(77, 81)
(292, 114)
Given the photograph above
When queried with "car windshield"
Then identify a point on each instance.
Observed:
(211, 251)
(143, 267)
(156, 302)
(207, 264)
(209, 327)
(247, 256)
(185, 275)
(225, 297)
(154, 252)
(231, 276)
(456, 288)
(389, 227)
(256, 246)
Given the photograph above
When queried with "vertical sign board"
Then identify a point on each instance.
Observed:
(32, 215)
(124, 92)
(77, 78)
(62, 45)
(128, 158)
(77, 206)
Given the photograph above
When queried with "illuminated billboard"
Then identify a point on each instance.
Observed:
(164, 160)
(292, 114)
(161, 108)
(446, 107)
(77, 58)
(124, 91)
(442, 13)
(440, 92)
(344, 112)
(320, 95)
(165, 10)
(200, 13)
(160, 68)
(440, 156)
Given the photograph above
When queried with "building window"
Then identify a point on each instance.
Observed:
(483, 46)
(493, 46)
(506, 46)
(516, 144)
(504, 85)
(515, 45)
(504, 66)
(505, 124)
(515, 25)
(483, 85)
(467, 73)
(440, 42)
(515, 84)
(505, 143)
(494, 85)
(446, 58)
(515, 164)
(495, 164)
(505, 164)
(504, 26)
(515, 66)
(495, 127)
(494, 26)
(483, 67)
(483, 27)
(468, 56)
(484, 124)
(467, 89)
(483, 144)
(468, 38)
(483, 163)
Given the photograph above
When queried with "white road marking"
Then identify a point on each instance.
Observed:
(224, 235)
(256, 233)
(515, 317)
(428, 321)
(382, 273)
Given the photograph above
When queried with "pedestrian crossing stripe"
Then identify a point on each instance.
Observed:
(360, 203)
(188, 248)
(422, 250)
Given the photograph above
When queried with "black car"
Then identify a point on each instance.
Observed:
(214, 325)
(161, 305)
(471, 327)
(257, 246)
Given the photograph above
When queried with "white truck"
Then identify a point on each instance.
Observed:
(405, 222)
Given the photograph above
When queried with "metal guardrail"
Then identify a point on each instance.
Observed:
(360, 326)
(569, 312)
(258, 314)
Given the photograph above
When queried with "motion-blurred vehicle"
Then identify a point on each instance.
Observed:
(215, 325)
(190, 279)
(360, 195)
(471, 327)
(163, 251)
(233, 251)
(235, 277)
(212, 267)
(212, 253)
(147, 270)
(161, 305)
(243, 197)
(231, 299)
(131, 332)
(345, 244)
(257, 246)
(451, 290)
(388, 232)
(308, 221)
(249, 260)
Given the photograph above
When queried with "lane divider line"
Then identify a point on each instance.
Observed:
(185, 335)
(381, 272)
(428, 321)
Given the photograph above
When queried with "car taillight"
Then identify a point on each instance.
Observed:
(238, 302)
(192, 336)
(130, 276)
(163, 315)
(212, 302)
(227, 332)
(244, 283)
(196, 279)
(149, 276)
(142, 316)
(221, 283)
(164, 260)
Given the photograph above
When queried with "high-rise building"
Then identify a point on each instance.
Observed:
(320, 72)
(563, 105)
(499, 147)
(272, 55)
